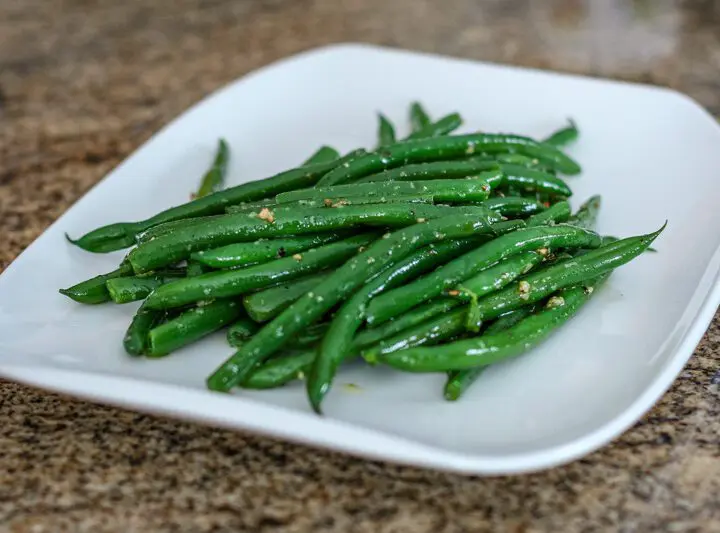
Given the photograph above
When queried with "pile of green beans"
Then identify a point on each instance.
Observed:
(429, 252)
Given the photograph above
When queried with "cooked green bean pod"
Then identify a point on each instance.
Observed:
(279, 371)
(499, 175)
(94, 290)
(230, 283)
(386, 131)
(262, 250)
(122, 234)
(338, 340)
(485, 282)
(395, 302)
(132, 288)
(489, 171)
(267, 304)
(446, 190)
(419, 118)
(214, 178)
(191, 325)
(170, 248)
(488, 349)
(587, 214)
(433, 331)
(564, 136)
(340, 201)
(344, 281)
(445, 125)
(459, 381)
(136, 339)
(324, 154)
(447, 147)
(555, 214)
(514, 206)
(541, 284)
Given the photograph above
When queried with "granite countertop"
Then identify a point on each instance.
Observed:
(83, 83)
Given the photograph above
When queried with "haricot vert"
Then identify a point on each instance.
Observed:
(424, 251)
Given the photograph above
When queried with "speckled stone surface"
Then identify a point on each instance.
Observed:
(83, 83)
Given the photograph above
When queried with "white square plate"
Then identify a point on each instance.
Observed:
(652, 153)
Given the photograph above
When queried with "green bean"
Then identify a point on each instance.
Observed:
(586, 215)
(311, 336)
(533, 180)
(175, 226)
(611, 238)
(496, 277)
(94, 290)
(445, 125)
(262, 250)
(386, 131)
(557, 213)
(280, 371)
(324, 154)
(245, 207)
(338, 285)
(514, 206)
(338, 340)
(229, 283)
(405, 321)
(243, 328)
(509, 319)
(426, 334)
(431, 309)
(446, 147)
(422, 313)
(214, 179)
(433, 331)
(122, 234)
(461, 190)
(195, 268)
(517, 159)
(267, 304)
(191, 325)
(498, 175)
(136, 338)
(564, 136)
(485, 282)
(343, 201)
(132, 288)
(170, 248)
(489, 349)
(459, 381)
(481, 169)
(108, 240)
(393, 303)
(545, 281)
(419, 118)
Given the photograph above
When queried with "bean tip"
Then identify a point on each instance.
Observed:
(316, 407)
(219, 381)
(650, 237)
(451, 395)
(655, 234)
(370, 357)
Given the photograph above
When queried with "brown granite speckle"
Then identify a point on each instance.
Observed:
(83, 83)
